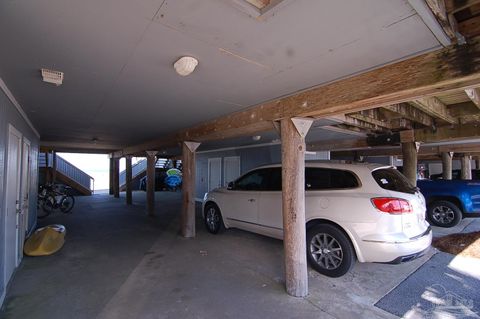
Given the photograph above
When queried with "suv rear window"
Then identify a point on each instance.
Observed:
(326, 178)
(392, 180)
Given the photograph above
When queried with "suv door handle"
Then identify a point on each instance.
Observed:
(251, 200)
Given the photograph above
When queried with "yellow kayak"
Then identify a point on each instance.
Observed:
(45, 241)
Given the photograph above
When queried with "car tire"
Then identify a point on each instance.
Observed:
(213, 219)
(444, 214)
(329, 250)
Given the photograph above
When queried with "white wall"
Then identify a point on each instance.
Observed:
(9, 114)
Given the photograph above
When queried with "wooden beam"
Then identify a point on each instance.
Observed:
(116, 177)
(345, 129)
(293, 208)
(352, 121)
(456, 6)
(411, 113)
(54, 167)
(470, 27)
(110, 188)
(376, 117)
(47, 167)
(259, 4)
(439, 11)
(128, 179)
(378, 123)
(447, 133)
(474, 95)
(444, 70)
(338, 145)
(425, 150)
(435, 108)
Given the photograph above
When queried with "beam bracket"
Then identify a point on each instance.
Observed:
(302, 124)
(192, 146)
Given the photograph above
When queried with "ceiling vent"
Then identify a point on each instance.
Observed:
(51, 76)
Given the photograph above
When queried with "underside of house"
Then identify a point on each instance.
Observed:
(262, 81)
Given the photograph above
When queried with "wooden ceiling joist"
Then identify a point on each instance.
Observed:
(453, 68)
(439, 10)
(356, 122)
(435, 108)
(373, 120)
(411, 113)
(471, 118)
(441, 134)
(456, 6)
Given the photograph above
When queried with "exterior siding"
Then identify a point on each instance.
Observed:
(10, 115)
(250, 157)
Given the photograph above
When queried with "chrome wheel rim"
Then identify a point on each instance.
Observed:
(326, 251)
(443, 214)
(212, 218)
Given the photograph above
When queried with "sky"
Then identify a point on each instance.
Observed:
(95, 165)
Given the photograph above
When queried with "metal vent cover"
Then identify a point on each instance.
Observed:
(51, 76)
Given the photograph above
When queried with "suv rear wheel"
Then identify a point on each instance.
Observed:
(329, 250)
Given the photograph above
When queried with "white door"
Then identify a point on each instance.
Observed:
(25, 185)
(12, 201)
(231, 169)
(214, 173)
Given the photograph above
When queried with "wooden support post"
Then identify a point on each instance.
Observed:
(466, 167)
(357, 157)
(409, 153)
(293, 133)
(116, 177)
(151, 161)
(110, 189)
(188, 189)
(54, 167)
(447, 165)
(47, 167)
(128, 179)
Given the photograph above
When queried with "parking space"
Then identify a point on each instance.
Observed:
(119, 263)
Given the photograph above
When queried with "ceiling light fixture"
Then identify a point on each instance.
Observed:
(185, 65)
(51, 76)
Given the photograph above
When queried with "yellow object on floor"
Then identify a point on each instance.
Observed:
(45, 241)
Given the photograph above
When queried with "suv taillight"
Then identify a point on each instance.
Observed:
(392, 205)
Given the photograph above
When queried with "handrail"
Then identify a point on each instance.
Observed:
(140, 167)
(69, 170)
(137, 168)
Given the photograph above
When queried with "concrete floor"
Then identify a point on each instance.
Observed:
(118, 263)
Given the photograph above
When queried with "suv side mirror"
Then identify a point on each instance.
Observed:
(230, 186)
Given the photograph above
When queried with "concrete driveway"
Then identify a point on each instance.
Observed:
(118, 263)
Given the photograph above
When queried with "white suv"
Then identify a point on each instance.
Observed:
(363, 211)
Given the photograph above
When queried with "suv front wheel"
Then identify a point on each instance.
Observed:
(329, 251)
(213, 219)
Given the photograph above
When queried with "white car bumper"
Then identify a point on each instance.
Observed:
(396, 252)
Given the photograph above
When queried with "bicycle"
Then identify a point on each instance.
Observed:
(51, 197)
